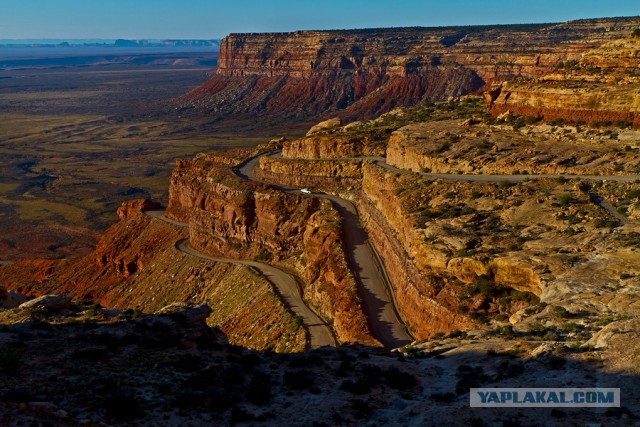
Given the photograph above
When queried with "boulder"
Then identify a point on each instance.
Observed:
(47, 302)
(331, 124)
(353, 125)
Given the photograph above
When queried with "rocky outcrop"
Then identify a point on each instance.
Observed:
(603, 85)
(136, 265)
(362, 73)
(589, 103)
(383, 194)
(234, 218)
(447, 146)
(133, 207)
(324, 146)
(330, 284)
(338, 175)
(327, 125)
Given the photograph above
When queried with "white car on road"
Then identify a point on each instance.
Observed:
(305, 191)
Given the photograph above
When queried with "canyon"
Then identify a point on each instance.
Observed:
(489, 275)
(465, 213)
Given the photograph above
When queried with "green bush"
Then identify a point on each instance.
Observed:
(264, 255)
(565, 199)
(561, 312)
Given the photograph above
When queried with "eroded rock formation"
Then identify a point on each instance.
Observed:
(235, 218)
(602, 85)
(362, 73)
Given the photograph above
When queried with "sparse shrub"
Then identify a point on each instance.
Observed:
(561, 312)
(264, 255)
(565, 199)
(554, 362)
(455, 334)
(505, 331)
(475, 194)
(572, 327)
(508, 369)
(633, 194)
(470, 377)
(537, 329)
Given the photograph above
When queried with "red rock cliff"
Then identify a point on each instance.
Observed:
(366, 72)
(233, 218)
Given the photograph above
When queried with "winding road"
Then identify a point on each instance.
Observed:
(320, 334)
(593, 197)
(378, 299)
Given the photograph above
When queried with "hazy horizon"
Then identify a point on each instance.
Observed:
(206, 20)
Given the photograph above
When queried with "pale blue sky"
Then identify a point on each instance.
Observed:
(214, 19)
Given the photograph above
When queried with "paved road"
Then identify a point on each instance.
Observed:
(320, 334)
(607, 207)
(384, 320)
(5, 263)
(499, 178)
(596, 199)
(382, 162)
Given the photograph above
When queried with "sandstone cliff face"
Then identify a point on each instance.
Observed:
(335, 175)
(594, 102)
(446, 146)
(230, 217)
(134, 207)
(135, 265)
(366, 72)
(603, 85)
(331, 285)
(324, 146)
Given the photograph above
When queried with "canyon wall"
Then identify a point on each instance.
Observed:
(231, 217)
(425, 277)
(136, 265)
(362, 73)
(327, 175)
(603, 85)
(552, 100)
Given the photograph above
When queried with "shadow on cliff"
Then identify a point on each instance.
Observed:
(144, 370)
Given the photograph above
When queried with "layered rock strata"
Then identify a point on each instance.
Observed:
(602, 85)
(231, 217)
(366, 72)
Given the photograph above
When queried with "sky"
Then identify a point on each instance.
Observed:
(206, 19)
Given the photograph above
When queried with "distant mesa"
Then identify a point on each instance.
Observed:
(359, 74)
